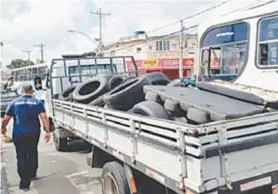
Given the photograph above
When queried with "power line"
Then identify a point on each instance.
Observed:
(41, 50)
(250, 6)
(185, 18)
(167, 36)
(189, 17)
(100, 14)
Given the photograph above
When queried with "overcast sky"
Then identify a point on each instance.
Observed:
(25, 23)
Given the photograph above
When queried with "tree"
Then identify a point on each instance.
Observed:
(17, 63)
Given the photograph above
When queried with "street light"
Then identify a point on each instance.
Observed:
(84, 34)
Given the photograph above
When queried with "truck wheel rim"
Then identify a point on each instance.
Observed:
(110, 185)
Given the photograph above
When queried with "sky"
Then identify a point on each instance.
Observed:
(31, 22)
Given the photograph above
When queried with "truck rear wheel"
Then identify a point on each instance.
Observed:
(114, 180)
(61, 144)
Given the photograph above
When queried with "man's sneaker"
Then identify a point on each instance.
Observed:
(25, 189)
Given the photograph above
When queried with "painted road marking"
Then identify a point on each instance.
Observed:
(85, 182)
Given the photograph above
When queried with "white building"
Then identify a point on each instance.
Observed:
(156, 52)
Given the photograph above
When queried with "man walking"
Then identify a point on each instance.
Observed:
(26, 111)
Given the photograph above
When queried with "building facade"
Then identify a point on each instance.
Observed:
(157, 53)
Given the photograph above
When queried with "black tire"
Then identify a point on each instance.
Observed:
(128, 79)
(115, 170)
(106, 106)
(181, 119)
(151, 109)
(198, 116)
(116, 80)
(66, 95)
(125, 96)
(61, 144)
(156, 78)
(152, 96)
(98, 102)
(172, 105)
(56, 96)
(91, 90)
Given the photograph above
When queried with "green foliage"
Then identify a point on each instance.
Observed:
(17, 63)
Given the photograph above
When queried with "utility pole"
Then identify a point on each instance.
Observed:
(100, 14)
(181, 51)
(28, 54)
(41, 50)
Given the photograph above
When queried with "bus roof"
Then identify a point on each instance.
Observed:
(46, 64)
(258, 9)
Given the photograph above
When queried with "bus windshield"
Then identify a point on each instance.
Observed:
(224, 51)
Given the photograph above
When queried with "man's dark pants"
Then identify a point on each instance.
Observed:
(27, 158)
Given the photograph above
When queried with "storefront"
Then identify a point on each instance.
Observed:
(170, 67)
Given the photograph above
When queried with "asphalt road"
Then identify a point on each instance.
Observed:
(59, 172)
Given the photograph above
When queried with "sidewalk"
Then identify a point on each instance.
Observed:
(4, 181)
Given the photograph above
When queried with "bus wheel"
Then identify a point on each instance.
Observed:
(114, 180)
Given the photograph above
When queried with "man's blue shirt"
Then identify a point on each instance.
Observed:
(25, 110)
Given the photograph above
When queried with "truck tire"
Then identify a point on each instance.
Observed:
(152, 96)
(125, 96)
(172, 105)
(66, 95)
(156, 78)
(198, 116)
(98, 102)
(113, 176)
(181, 119)
(128, 79)
(130, 93)
(61, 144)
(152, 109)
(91, 90)
(116, 80)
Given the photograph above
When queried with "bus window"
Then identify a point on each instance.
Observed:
(224, 50)
(268, 43)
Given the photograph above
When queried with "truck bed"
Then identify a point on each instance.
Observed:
(202, 158)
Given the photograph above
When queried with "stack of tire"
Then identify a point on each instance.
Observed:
(117, 92)
(164, 107)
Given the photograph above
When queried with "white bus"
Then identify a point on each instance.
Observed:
(241, 47)
(28, 74)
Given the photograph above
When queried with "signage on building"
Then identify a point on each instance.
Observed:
(150, 63)
(161, 63)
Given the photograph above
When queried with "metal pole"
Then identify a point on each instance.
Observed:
(100, 31)
(100, 14)
(181, 52)
(28, 54)
(41, 50)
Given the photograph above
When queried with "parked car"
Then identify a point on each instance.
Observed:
(6, 97)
